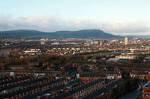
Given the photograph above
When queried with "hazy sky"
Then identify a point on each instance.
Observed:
(115, 16)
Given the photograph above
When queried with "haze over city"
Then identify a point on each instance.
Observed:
(121, 17)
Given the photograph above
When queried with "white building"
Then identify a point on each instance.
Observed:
(126, 41)
(43, 41)
(32, 51)
(128, 56)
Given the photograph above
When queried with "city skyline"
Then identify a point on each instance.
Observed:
(121, 17)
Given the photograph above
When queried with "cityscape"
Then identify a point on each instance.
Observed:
(50, 58)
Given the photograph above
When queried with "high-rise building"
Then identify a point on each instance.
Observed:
(126, 41)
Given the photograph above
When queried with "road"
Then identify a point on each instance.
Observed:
(133, 95)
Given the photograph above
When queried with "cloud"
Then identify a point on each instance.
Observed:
(30, 22)
(43, 23)
(136, 27)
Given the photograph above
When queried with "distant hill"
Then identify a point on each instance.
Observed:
(58, 34)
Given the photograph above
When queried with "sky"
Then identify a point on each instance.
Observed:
(121, 17)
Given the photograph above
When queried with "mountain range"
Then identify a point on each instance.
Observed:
(91, 33)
